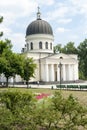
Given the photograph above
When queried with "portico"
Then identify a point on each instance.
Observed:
(69, 70)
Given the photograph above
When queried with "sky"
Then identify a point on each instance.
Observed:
(68, 19)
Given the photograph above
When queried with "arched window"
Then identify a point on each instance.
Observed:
(40, 45)
(31, 45)
(46, 45)
(51, 46)
(27, 47)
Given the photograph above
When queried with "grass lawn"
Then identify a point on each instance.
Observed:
(80, 95)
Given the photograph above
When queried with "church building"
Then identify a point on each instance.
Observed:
(39, 45)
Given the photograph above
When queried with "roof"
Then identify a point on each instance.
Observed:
(39, 26)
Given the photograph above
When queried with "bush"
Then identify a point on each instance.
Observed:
(21, 111)
(17, 110)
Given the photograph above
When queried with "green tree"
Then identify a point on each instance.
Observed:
(1, 20)
(2, 64)
(69, 48)
(5, 45)
(82, 53)
(7, 69)
(28, 69)
(16, 62)
(10, 63)
(13, 65)
(57, 48)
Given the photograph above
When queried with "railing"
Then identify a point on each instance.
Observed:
(72, 87)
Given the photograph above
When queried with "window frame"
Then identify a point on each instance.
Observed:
(31, 45)
(46, 45)
(40, 45)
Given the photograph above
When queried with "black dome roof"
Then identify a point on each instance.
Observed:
(39, 26)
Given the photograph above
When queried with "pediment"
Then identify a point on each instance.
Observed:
(62, 55)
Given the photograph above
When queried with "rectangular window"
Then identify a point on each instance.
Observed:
(46, 45)
(31, 46)
(51, 46)
(40, 45)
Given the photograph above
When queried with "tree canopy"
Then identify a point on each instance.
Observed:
(69, 48)
(82, 54)
(1, 20)
(28, 69)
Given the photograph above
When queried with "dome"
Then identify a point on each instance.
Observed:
(39, 26)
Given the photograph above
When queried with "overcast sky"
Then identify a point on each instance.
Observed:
(68, 19)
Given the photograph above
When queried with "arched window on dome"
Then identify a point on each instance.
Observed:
(31, 46)
(51, 46)
(27, 46)
(40, 45)
(46, 45)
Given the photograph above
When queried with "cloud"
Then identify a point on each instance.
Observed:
(18, 41)
(65, 21)
(6, 30)
(15, 14)
(79, 6)
(61, 30)
(57, 13)
(18, 8)
(45, 2)
(68, 18)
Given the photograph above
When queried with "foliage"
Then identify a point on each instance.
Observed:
(5, 51)
(1, 20)
(69, 48)
(2, 64)
(10, 64)
(19, 106)
(57, 48)
(5, 45)
(20, 110)
(28, 69)
(82, 53)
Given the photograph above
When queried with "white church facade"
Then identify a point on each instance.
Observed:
(39, 45)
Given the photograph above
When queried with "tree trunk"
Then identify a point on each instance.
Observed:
(7, 82)
(13, 80)
(27, 84)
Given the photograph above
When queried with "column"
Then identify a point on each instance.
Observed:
(46, 73)
(64, 72)
(52, 72)
(42, 72)
(58, 73)
(70, 72)
(76, 72)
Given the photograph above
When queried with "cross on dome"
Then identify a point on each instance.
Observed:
(38, 14)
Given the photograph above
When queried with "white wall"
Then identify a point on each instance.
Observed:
(36, 38)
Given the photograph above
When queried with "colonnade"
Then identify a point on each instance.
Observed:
(51, 72)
